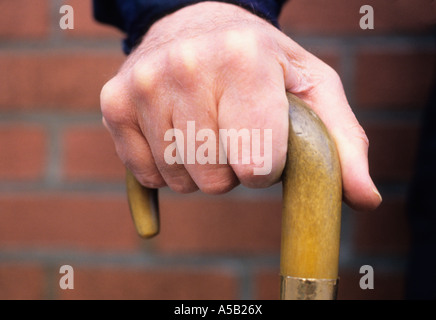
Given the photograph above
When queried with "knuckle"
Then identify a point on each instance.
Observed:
(149, 176)
(109, 95)
(216, 188)
(183, 186)
(215, 184)
(145, 170)
(176, 177)
(248, 178)
(112, 103)
(144, 77)
(331, 75)
(182, 64)
(242, 46)
(359, 134)
(151, 180)
(183, 57)
(245, 174)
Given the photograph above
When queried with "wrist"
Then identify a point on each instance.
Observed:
(202, 18)
(145, 19)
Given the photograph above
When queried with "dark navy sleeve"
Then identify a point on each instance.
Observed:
(135, 17)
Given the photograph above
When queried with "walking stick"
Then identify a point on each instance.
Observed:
(311, 217)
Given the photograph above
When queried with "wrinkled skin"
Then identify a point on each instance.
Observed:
(223, 67)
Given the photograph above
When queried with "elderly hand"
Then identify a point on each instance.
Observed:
(225, 68)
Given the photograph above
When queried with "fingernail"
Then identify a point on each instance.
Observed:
(374, 189)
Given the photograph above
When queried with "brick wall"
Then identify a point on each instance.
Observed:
(62, 196)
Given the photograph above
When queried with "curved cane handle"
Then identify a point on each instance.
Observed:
(144, 207)
(311, 218)
(312, 197)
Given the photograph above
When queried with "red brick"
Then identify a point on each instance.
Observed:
(23, 149)
(21, 281)
(85, 25)
(384, 231)
(167, 283)
(392, 149)
(216, 224)
(56, 80)
(338, 17)
(267, 284)
(89, 222)
(387, 285)
(89, 154)
(23, 19)
(400, 79)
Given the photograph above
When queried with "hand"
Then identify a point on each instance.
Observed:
(225, 68)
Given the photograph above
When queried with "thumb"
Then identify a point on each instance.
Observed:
(320, 87)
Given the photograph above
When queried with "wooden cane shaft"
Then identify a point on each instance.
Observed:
(312, 197)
